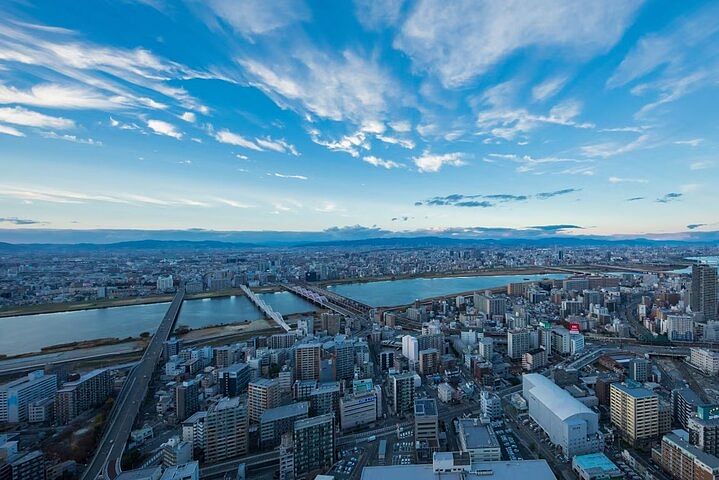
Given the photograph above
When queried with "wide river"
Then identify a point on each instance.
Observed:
(403, 292)
(30, 333)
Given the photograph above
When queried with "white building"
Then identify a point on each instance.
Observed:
(410, 348)
(479, 440)
(15, 396)
(576, 343)
(679, 327)
(491, 405)
(705, 360)
(358, 409)
(518, 343)
(445, 392)
(164, 283)
(486, 348)
(567, 421)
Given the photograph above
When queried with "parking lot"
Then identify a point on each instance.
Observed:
(509, 443)
(346, 467)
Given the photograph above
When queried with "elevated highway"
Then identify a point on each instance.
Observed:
(105, 464)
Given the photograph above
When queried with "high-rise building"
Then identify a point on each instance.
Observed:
(164, 283)
(276, 422)
(410, 348)
(233, 380)
(518, 343)
(89, 390)
(534, 359)
(386, 360)
(307, 361)
(226, 428)
(685, 403)
(187, 399)
(705, 360)
(314, 440)
(193, 430)
(639, 369)
(27, 466)
(344, 360)
(491, 405)
(426, 426)
(330, 322)
(262, 394)
(428, 361)
(634, 411)
(325, 398)
(704, 291)
(704, 430)
(15, 396)
(287, 458)
(402, 387)
(358, 409)
(684, 461)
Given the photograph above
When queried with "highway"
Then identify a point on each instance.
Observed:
(106, 461)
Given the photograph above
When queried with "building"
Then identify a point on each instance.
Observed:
(639, 369)
(314, 440)
(456, 466)
(307, 361)
(705, 360)
(534, 359)
(164, 283)
(386, 360)
(429, 361)
(490, 305)
(426, 426)
(276, 422)
(41, 411)
(410, 348)
(262, 394)
(486, 348)
(193, 430)
(679, 327)
(595, 466)
(325, 398)
(479, 440)
(684, 405)
(233, 380)
(187, 399)
(15, 396)
(684, 461)
(176, 452)
(602, 386)
(634, 411)
(27, 466)
(491, 405)
(567, 421)
(703, 297)
(88, 391)
(402, 388)
(358, 409)
(287, 458)
(518, 343)
(186, 471)
(704, 429)
(344, 360)
(226, 427)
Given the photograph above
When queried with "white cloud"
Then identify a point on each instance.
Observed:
(689, 187)
(402, 142)
(349, 143)
(428, 162)
(61, 96)
(163, 128)
(296, 177)
(610, 149)
(29, 118)
(548, 88)
(327, 207)
(189, 117)
(258, 144)
(7, 130)
(694, 142)
(257, 17)
(627, 180)
(378, 162)
(231, 203)
(402, 126)
(376, 15)
(465, 41)
(72, 138)
(701, 165)
(529, 164)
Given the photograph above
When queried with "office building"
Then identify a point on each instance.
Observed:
(193, 430)
(89, 390)
(490, 305)
(262, 394)
(679, 327)
(705, 360)
(634, 411)
(402, 388)
(233, 380)
(566, 420)
(15, 396)
(330, 322)
(639, 369)
(358, 409)
(426, 426)
(478, 440)
(307, 361)
(386, 360)
(176, 452)
(325, 398)
(684, 405)
(344, 360)
(226, 428)
(534, 359)
(276, 422)
(491, 405)
(314, 440)
(187, 399)
(486, 348)
(518, 343)
(703, 297)
(684, 461)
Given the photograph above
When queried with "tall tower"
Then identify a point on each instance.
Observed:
(704, 290)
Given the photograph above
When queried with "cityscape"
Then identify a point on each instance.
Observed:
(359, 240)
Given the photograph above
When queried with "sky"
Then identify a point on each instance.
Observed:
(557, 117)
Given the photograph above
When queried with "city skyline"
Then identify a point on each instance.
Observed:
(361, 118)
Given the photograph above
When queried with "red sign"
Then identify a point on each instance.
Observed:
(574, 327)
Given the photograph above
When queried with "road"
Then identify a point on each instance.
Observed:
(106, 462)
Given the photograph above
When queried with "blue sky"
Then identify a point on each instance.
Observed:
(595, 117)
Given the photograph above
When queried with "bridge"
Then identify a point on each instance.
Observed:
(329, 299)
(105, 463)
(266, 309)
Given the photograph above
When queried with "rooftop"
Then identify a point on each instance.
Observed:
(285, 411)
(710, 460)
(426, 406)
(595, 463)
(476, 434)
(636, 392)
(534, 469)
(140, 473)
(562, 403)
